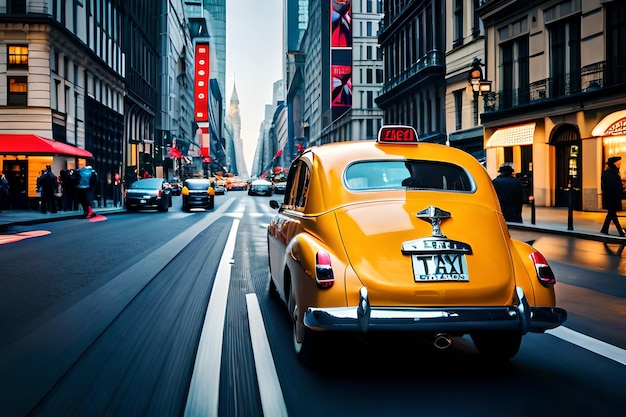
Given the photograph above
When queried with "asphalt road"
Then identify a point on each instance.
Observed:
(155, 314)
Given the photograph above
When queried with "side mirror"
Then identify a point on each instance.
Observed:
(274, 204)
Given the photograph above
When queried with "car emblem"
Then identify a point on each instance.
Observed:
(434, 215)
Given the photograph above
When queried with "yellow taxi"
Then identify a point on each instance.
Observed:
(397, 235)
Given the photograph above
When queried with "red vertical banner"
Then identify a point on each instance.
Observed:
(201, 87)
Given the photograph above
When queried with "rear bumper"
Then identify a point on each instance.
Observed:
(363, 318)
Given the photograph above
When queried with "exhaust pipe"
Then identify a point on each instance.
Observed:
(442, 341)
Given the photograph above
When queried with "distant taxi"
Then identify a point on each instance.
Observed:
(396, 235)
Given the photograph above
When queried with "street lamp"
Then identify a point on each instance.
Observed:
(480, 87)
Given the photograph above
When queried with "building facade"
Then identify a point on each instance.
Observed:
(62, 73)
(558, 71)
(464, 53)
(412, 39)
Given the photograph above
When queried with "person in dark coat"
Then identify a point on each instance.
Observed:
(612, 194)
(510, 193)
(49, 185)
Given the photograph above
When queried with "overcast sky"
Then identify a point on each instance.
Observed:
(253, 62)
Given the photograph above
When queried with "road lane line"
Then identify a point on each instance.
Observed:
(203, 396)
(272, 399)
(593, 345)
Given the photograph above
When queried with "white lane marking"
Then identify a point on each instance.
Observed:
(202, 399)
(272, 399)
(593, 345)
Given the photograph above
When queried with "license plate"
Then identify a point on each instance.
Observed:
(440, 267)
(142, 201)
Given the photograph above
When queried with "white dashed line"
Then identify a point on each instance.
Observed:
(272, 399)
(593, 345)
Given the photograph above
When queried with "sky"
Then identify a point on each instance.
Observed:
(253, 62)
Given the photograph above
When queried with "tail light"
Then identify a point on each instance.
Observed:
(323, 270)
(160, 193)
(544, 272)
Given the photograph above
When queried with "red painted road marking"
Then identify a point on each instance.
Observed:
(22, 235)
(97, 218)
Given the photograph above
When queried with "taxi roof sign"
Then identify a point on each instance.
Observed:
(397, 134)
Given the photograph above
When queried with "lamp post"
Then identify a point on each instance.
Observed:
(480, 87)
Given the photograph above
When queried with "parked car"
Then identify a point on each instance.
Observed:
(150, 193)
(176, 186)
(198, 193)
(260, 187)
(400, 236)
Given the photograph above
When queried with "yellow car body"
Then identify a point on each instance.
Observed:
(352, 249)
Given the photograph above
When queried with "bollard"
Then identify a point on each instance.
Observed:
(570, 210)
(531, 200)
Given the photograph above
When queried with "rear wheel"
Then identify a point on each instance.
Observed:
(497, 345)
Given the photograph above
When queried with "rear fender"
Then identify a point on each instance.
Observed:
(302, 252)
(526, 277)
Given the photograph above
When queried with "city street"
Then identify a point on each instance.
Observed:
(168, 314)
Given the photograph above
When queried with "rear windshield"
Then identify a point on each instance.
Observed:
(198, 185)
(410, 174)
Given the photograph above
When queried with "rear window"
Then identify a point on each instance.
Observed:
(198, 185)
(410, 174)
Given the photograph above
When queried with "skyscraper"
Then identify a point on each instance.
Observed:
(217, 31)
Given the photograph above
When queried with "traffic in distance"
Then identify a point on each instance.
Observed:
(365, 284)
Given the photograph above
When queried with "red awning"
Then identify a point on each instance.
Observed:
(24, 144)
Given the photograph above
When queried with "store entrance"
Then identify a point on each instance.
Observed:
(16, 173)
(566, 140)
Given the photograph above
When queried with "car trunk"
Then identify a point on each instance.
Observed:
(374, 233)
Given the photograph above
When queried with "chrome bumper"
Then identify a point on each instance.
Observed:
(364, 318)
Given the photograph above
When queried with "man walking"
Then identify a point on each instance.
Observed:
(510, 193)
(85, 190)
(612, 194)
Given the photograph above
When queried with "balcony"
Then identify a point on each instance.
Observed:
(590, 78)
(432, 59)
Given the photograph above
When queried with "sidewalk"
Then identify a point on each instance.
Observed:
(10, 218)
(585, 224)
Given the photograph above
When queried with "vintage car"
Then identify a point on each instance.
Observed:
(401, 236)
(198, 193)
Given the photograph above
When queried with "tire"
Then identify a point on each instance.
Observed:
(273, 291)
(497, 345)
(309, 349)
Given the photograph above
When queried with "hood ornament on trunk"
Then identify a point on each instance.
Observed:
(434, 215)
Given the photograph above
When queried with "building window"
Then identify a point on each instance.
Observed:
(370, 100)
(458, 23)
(17, 6)
(616, 42)
(369, 28)
(379, 76)
(370, 76)
(565, 57)
(458, 109)
(515, 72)
(18, 57)
(369, 52)
(369, 6)
(18, 91)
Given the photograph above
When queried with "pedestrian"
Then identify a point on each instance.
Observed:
(86, 185)
(612, 194)
(117, 190)
(510, 193)
(4, 192)
(49, 185)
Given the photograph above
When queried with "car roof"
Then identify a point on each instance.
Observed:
(261, 182)
(331, 160)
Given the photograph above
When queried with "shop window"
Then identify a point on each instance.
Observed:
(18, 57)
(18, 91)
